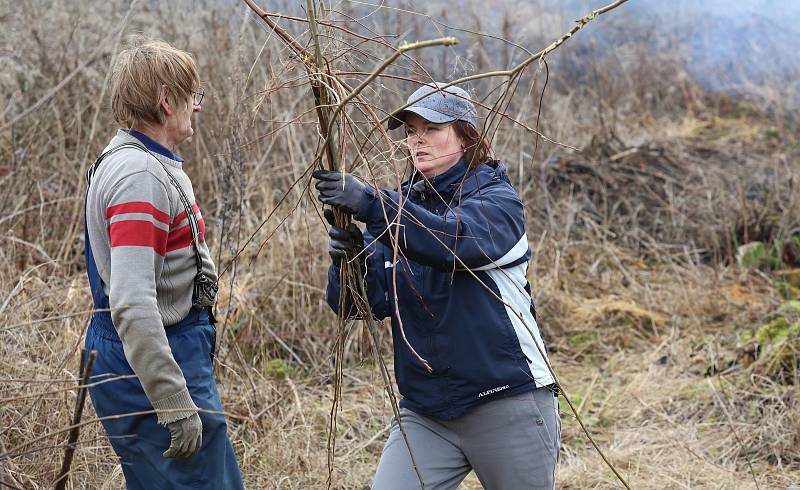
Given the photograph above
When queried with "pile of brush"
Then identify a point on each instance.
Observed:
(686, 198)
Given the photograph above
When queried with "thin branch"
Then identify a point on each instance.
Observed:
(86, 372)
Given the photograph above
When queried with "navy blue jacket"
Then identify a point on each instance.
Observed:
(480, 348)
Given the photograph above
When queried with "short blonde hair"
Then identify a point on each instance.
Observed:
(138, 77)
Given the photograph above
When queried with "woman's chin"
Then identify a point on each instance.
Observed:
(185, 136)
(426, 168)
(432, 168)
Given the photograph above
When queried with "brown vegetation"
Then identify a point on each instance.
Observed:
(634, 240)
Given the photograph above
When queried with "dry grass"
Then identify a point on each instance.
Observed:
(634, 283)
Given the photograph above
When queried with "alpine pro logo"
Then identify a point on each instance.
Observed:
(493, 390)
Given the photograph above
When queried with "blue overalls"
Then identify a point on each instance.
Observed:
(139, 440)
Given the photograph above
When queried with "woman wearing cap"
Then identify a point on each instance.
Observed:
(477, 393)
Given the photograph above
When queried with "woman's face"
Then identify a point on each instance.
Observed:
(179, 122)
(434, 147)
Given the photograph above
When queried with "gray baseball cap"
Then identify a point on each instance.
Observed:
(450, 104)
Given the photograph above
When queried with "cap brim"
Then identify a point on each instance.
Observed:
(398, 119)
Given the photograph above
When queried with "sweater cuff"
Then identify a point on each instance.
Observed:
(176, 407)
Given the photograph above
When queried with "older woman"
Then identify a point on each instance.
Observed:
(153, 284)
(485, 400)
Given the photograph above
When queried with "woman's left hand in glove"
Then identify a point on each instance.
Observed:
(344, 244)
(340, 189)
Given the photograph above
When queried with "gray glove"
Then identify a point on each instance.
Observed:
(339, 189)
(186, 437)
(344, 243)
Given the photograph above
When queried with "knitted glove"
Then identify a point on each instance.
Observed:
(186, 437)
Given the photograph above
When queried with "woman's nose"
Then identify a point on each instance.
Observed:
(197, 108)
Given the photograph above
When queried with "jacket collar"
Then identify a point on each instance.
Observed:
(445, 183)
(459, 177)
(442, 184)
(153, 145)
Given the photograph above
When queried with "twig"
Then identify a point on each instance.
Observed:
(69, 388)
(11, 453)
(59, 369)
(733, 429)
(86, 371)
(52, 319)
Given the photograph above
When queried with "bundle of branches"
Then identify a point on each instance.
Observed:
(346, 101)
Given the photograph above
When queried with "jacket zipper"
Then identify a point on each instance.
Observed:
(423, 196)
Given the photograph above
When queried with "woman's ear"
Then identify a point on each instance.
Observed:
(165, 101)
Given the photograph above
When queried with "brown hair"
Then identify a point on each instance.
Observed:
(476, 146)
(138, 77)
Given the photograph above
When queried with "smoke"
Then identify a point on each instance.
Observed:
(741, 47)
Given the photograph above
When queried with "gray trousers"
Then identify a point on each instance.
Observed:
(511, 443)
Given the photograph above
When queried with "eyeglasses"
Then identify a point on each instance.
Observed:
(428, 127)
(198, 96)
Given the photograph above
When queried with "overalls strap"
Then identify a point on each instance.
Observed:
(101, 304)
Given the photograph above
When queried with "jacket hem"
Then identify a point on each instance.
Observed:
(456, 410)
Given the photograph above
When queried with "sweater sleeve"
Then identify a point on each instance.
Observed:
(138, 219)
(483, 231)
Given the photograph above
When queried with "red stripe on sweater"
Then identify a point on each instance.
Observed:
(138, 207)
(138, 233)
(182, 237)
(182, 215)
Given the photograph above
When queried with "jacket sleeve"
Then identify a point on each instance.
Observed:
(483, 231)
(137, 219)
(375, 278)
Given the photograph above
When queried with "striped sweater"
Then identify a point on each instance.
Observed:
(142, 246)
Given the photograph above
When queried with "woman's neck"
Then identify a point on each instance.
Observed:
(157, 133)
